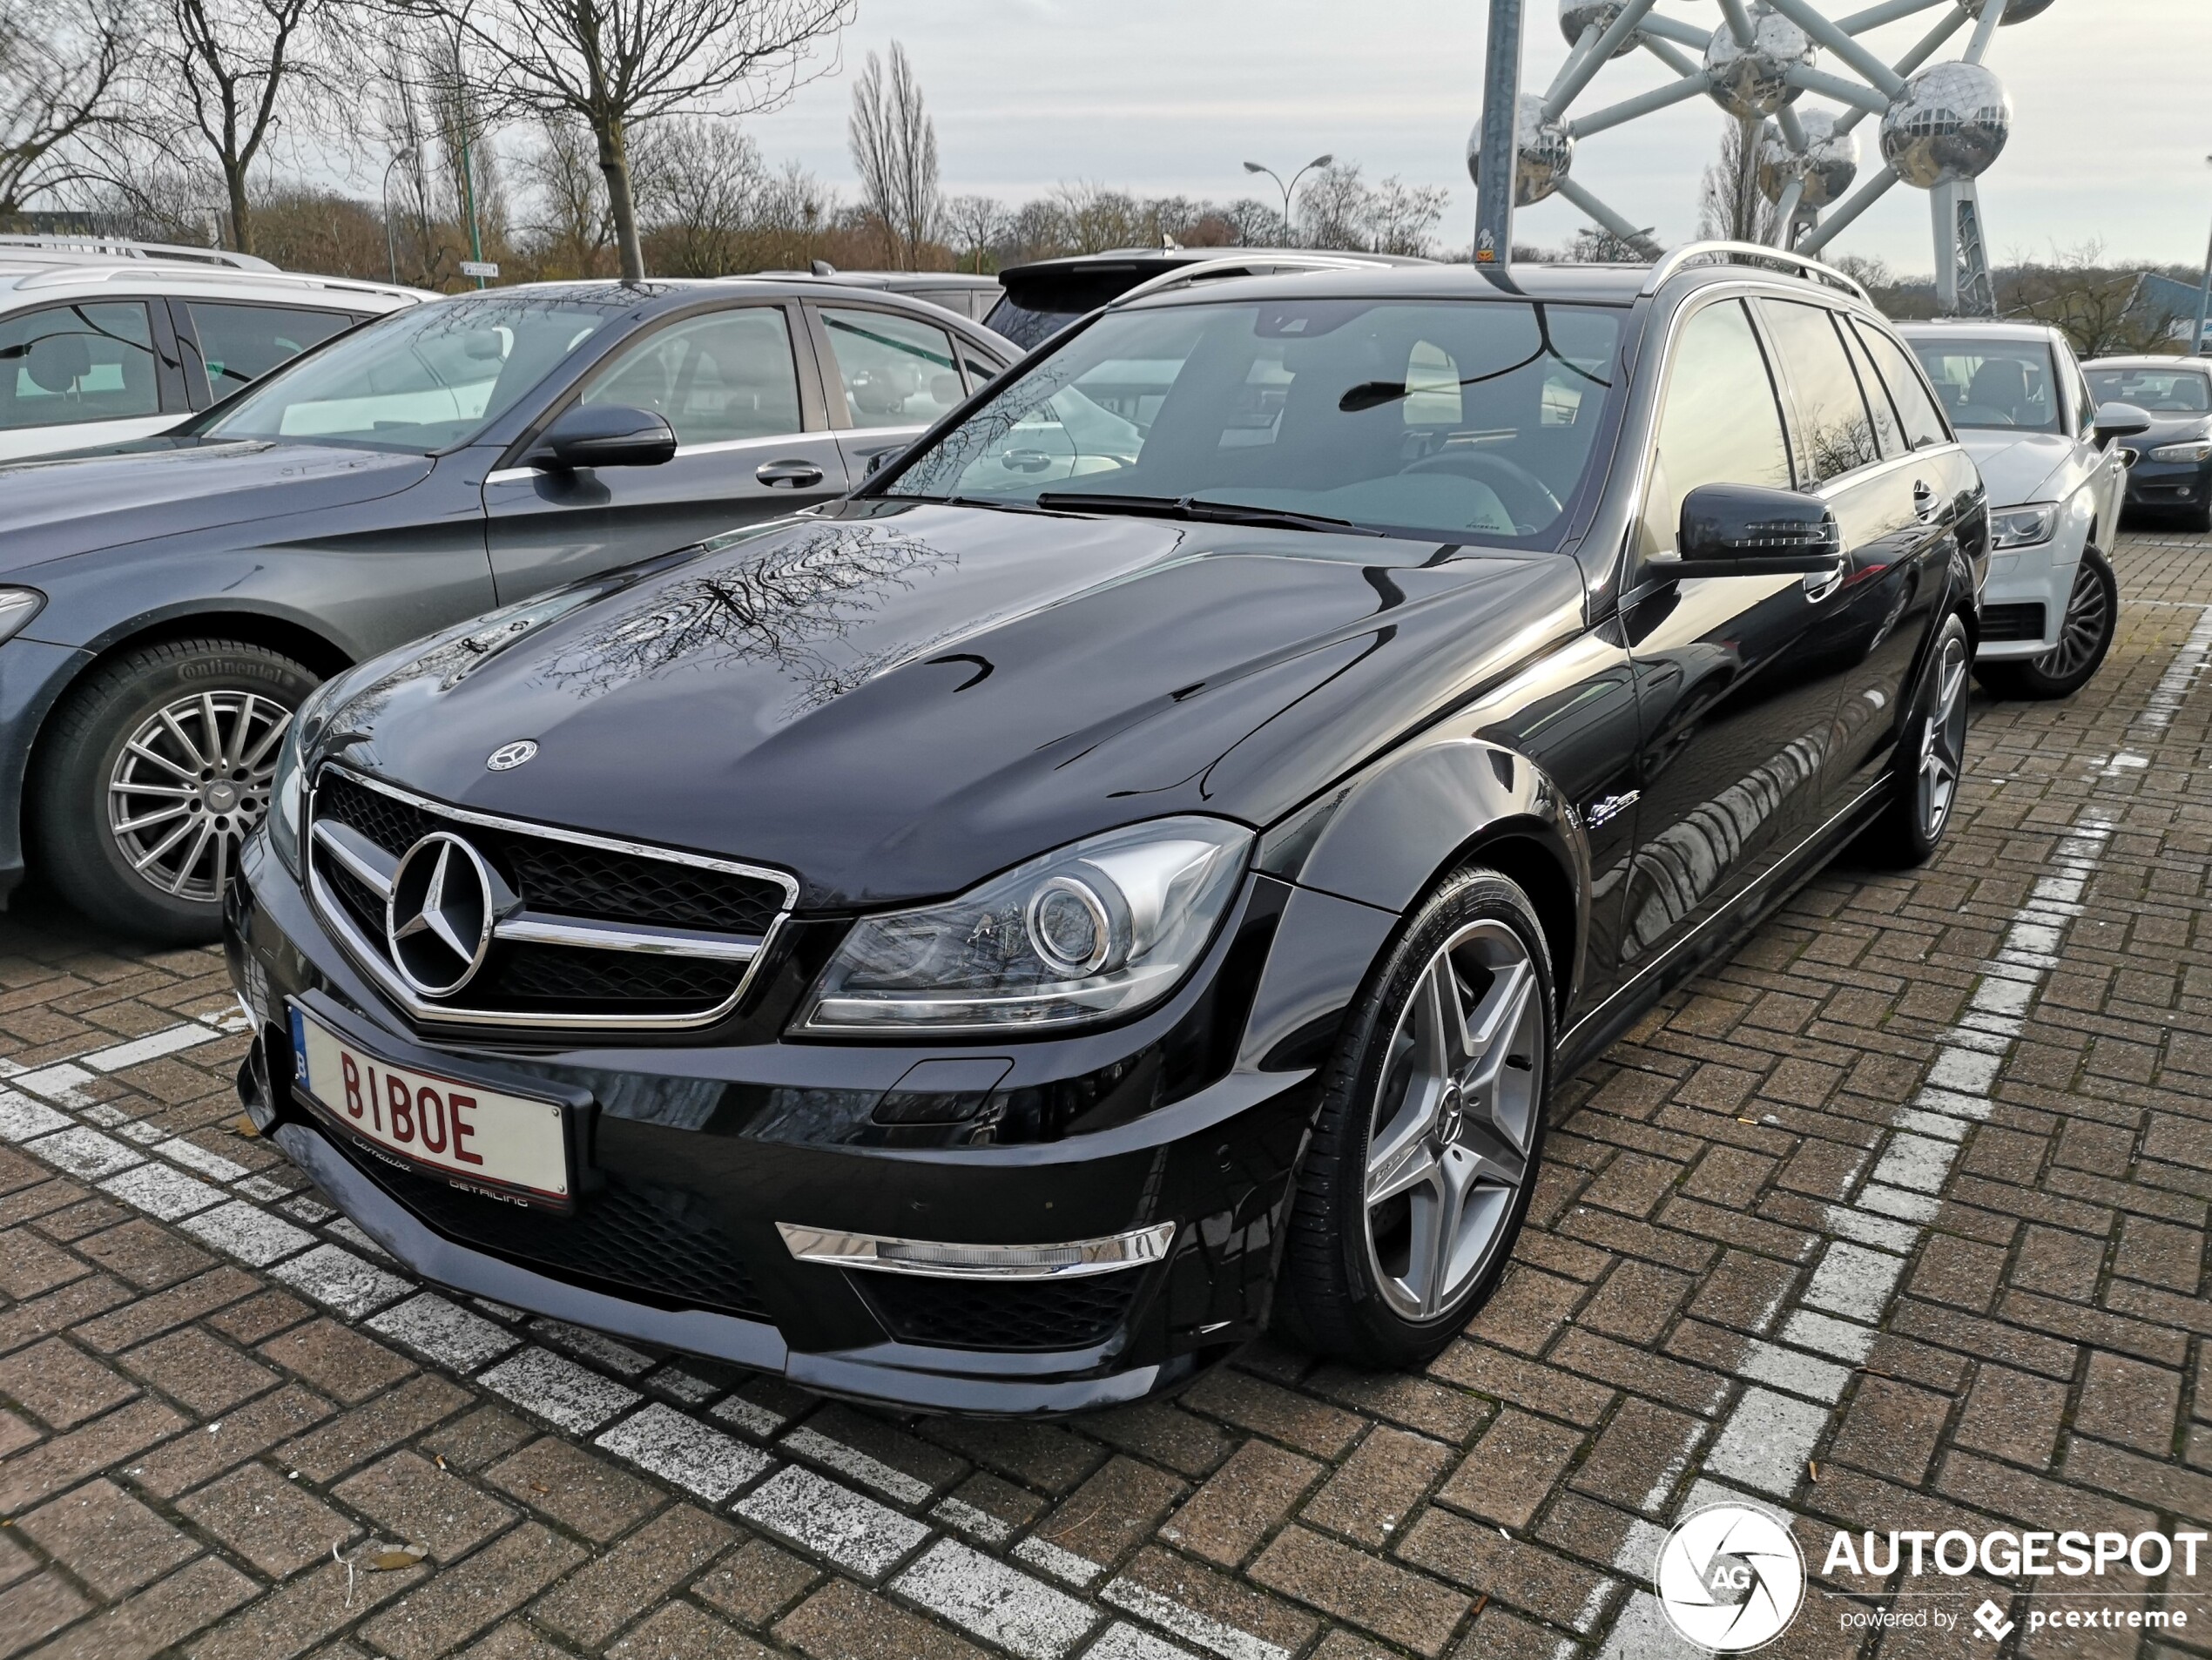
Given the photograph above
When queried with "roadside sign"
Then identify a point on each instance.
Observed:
(479, 269)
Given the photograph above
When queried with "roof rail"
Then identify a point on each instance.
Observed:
(122, 247)
(1750, 253)
(1244, 265)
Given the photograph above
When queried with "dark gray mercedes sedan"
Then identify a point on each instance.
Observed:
(167, 606)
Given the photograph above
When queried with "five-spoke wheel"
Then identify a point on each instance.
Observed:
(1454, 1111)
(1430, 1129)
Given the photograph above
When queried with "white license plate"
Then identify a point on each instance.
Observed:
(461, 1130)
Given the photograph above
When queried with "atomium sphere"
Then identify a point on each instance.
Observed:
(1577, 16)
(1546, 153)
(1749, 81)
(1829, 165)
(2018, 11)
(1949, 123)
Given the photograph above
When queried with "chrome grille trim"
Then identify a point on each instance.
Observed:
(373, 867)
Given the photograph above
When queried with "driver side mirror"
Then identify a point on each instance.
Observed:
(2120, 420)
(1748, 530)
(604, 434)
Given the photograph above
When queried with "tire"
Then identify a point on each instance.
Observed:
(2085, 636)
(1931, 757)
(117, 786)
(2198, 518)
(1364, 1279)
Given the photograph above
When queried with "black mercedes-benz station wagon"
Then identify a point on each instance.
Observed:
(1139, 866)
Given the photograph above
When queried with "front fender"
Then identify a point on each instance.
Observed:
(1384, 837)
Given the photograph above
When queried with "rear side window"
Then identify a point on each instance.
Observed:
(242, 343)
(1719, 423)
(896, 371)
(1835, 435)
(714, 379)
(1889, 429)
(63, 364)
(1923, 423)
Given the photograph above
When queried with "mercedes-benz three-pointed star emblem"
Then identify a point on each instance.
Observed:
(439, 918)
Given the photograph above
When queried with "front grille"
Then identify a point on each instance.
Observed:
(604, 933)
(563, 877)
(2002, 623)
(1066, 1313)
(638, 1242)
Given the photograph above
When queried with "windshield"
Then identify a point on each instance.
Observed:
(2003, 384)
(1457, 418)
(2161, 391)
(424, 378)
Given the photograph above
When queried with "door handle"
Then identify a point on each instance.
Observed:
(1925, 505)
(788, 475)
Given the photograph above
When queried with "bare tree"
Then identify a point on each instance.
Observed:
(1731, 207)
(231, 67)
(894, 151)
(2099, 306)
(700, 185)
(614, 64)
(572, 230)
(62, 66)
(975, 224)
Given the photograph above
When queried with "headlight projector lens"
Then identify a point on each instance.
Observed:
(1070, 927)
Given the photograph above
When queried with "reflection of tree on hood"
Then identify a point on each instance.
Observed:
(788, 606)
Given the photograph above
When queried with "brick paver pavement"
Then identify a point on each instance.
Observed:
(1894, 1222)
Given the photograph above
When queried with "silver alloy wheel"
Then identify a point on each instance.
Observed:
(1454, 1116)
(190, 786)
(2087, 618)
(1943, 744)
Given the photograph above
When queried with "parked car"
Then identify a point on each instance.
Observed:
(2056, 477)
(1046, 296)
(171, 605)
(102, 342)
(2172, 474)
(1164, 836)
(968, 295)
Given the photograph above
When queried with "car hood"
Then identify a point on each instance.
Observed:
(54, 508)
(2170, 428)
(2016, 466)
(895, 700)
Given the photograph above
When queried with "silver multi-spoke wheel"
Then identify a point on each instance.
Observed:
(1455, 1114)
(189, 783)
(1943, 742)
(2082, 635)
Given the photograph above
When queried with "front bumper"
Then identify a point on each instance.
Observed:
(684, 1174)
(2023, 604)
(2169, 486)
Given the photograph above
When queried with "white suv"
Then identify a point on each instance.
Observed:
(102, 342)
(2024, 411)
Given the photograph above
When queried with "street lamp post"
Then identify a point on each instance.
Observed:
(2203, 303)
(391, 246)
(1318, 161)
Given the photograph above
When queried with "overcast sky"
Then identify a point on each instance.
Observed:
(2111, 121)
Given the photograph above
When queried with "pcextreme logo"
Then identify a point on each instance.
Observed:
(1730, 1578)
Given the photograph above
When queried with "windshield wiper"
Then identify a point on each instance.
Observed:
(999, 504)
(1193, 507)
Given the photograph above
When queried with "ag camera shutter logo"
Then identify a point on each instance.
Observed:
(1730, 1578)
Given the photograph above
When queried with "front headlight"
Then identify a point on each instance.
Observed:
(288, 785)
(2195, 449)
(17, 607)
(1103, 928)
(2022, 527)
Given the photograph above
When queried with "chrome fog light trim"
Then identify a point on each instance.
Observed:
(940, 1260)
